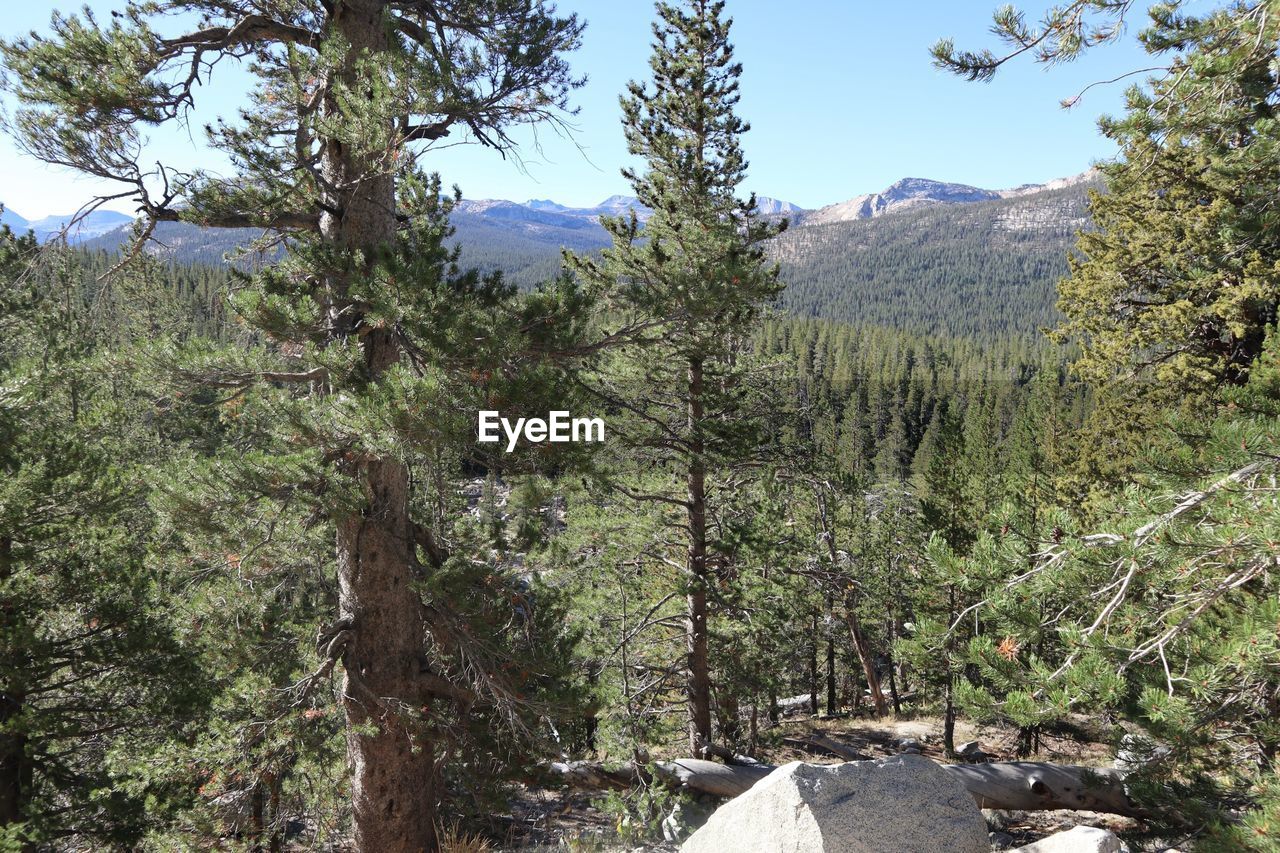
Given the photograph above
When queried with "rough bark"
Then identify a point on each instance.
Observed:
(699, 676)
(393, 779)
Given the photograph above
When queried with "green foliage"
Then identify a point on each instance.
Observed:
(1180, 280)
(95, 674)
(695, 281)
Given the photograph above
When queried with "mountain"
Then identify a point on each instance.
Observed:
(93, 225)
(14, 221)
(977, 269)
(928, 256)
(914, 193)
(906, 194)
(1092, 177)
(766, 206)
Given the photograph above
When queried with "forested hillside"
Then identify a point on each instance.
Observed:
(266, 585)
(968, 266)
(985, 268)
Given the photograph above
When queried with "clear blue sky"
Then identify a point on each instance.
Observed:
(841, 95)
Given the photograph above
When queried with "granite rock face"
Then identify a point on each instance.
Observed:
(907, 804)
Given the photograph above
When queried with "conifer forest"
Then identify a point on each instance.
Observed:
(901, 487)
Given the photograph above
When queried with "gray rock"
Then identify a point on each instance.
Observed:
(970, 750)
(855, 807)
(1001, 840)
(909, 744)
(1081, 839)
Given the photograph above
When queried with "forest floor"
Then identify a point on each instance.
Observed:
(573, 821)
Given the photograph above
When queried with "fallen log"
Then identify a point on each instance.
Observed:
(595, 776)
(710, 777)
(1021, 785)
(819, 744)
(1038, 785)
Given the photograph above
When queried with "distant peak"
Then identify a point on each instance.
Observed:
(775, 207)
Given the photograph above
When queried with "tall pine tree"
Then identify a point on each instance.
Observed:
(698, 270)
(367, 312)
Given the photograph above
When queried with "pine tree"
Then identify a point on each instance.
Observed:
(1179, 280)
(92, 668)
(698, 270)
(365, 309)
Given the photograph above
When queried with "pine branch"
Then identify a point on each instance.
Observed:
(251, 29)
(289, 221)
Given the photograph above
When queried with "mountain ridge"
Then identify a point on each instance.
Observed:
(94, 224)
(933, 259)
(911, 193)
(579, 227)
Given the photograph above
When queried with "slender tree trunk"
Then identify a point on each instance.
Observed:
(893, 692)
(729, 712)
(832, 704)
(699, 684)
(851, 616)
(391, 760)
(867, 660)
(949, 710)
(831, 658)
(893, 681)
(813, 666)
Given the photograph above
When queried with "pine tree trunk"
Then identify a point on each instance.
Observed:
(831, 677)
(893, 668)
(867, 660)
(949, 710)
(699, 684)
(813, 666)
(393, 777)
(830, 661)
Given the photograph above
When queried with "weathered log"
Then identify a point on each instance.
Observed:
(1022, 785)
(594, 776)
(710, 777)
(819, 744)
(1037, 785)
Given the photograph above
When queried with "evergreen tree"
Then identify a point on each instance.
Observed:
(1179, 280)
(698, 270)
(93, 672)
(364, 313)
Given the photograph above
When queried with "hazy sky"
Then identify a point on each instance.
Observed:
(841, 95)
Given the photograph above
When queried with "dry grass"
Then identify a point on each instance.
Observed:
(455, 840)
